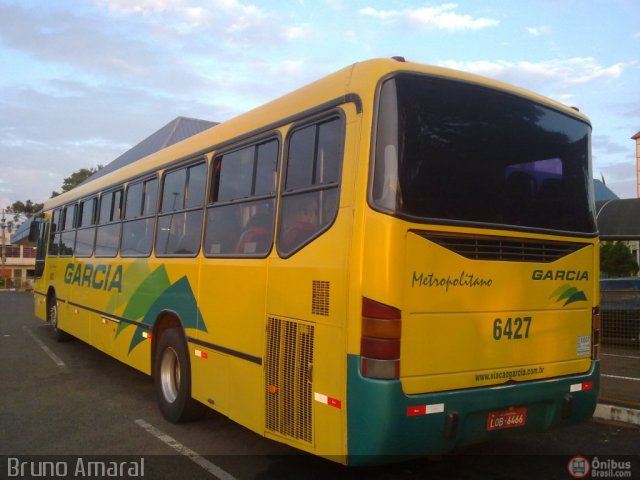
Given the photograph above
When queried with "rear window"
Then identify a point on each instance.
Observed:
(456, 153)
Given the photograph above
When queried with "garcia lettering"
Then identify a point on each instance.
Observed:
(569, 275)
(98, 277)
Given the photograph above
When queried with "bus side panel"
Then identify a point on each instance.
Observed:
(294, 323)
(228, 373)
(70, 318)
(210, 378)
(308, 299)
(40, 301)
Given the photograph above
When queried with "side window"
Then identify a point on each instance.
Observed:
(179, 227)
(68, 234)
(310, 197)
(54, 234)
(108, 231)
(240, 214)
(139, 224)
(133, 203)
(86, 233)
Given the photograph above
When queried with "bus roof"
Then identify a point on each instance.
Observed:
(360, 79)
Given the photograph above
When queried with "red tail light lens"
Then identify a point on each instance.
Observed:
(382, 348)
(380, 341)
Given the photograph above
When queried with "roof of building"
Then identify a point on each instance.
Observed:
(636, 136)
(602, 192)
(178, 129)
(619, 219)
(22, 233)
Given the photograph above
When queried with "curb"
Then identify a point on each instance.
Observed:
(617, 414)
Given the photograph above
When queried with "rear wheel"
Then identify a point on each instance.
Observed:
(172, 378)
(52, 316)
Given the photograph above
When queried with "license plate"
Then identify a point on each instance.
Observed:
(512, 418)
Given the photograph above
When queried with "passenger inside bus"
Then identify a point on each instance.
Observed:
(301, 220)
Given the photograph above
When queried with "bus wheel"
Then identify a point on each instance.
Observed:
(52, 316)
(172, 378)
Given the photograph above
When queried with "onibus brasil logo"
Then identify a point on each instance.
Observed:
(580, 467)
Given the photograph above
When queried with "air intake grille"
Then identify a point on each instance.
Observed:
(288, 367)
(320, 298)
(501, 249)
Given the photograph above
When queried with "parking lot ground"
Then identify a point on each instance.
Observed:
(620, 377)
(65, 402)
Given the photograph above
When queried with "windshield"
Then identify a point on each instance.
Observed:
(453, 152)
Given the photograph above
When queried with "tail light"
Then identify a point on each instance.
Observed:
(380, 341)
(595, 333)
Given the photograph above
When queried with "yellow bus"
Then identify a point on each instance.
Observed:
(392, 261)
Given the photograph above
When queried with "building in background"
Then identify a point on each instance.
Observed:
(17, 262)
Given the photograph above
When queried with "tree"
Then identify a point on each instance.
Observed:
(14, 215)
(28, 208)
(76, 178)
(616, 260)
(20, 210)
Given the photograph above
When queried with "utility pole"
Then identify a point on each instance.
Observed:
(3, 226)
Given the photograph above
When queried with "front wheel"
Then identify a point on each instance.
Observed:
(172, 378)
(52, 316)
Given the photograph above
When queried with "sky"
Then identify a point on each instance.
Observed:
(82, 81)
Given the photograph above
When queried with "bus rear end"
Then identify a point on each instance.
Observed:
(482, 318)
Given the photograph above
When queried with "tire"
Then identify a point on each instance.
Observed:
(172, 378)
(52, 317)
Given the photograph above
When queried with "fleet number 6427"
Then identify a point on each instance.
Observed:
(512, 328)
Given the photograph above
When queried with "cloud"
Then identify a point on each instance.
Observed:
(538, 75)
(145, 7)
(298, 32)
(55, 37)
(442, 17)
(78, 126)
(619, 176)
(602, 144)
(538, 31)
(237, 19)
(631, 109)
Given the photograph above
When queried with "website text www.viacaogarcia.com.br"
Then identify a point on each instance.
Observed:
(509, 374)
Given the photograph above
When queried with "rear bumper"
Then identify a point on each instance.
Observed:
(384, 424)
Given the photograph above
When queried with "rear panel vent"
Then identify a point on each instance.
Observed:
(502, 249)
(288, 370)
(320, 298)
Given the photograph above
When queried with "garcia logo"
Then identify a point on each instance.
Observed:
(569, 275)
(569, 294)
